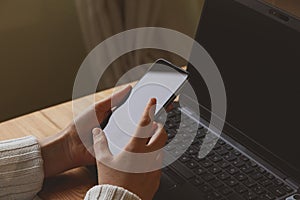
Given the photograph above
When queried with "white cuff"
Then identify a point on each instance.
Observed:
(21, 168)
(110, 192)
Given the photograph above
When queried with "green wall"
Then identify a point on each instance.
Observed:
(41, 49)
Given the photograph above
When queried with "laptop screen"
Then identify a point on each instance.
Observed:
(258, 57)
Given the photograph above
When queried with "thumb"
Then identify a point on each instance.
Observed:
(101, 148)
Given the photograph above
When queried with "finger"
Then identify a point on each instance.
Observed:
(158, 140)
(116, 99)
(157, 161)
(101, 148)
(149, 113)
(145, 128)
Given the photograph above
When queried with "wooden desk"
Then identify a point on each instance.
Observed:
(69, 185)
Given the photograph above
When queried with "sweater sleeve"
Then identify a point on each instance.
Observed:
(21, 168)
(109, 192)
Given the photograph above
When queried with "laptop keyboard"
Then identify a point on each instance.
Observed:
(225, 173)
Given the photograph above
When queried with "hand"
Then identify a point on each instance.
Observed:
(65, 150)
(142, 184)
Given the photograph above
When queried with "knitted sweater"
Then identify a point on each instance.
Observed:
(21, 173)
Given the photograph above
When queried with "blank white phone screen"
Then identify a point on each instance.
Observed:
(160, 82)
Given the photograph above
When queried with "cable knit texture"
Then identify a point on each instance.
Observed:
(109, 192)
(21, 174)
(21, 168)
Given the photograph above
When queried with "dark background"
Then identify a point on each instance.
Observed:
(41, 49)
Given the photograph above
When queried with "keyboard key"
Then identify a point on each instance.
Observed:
(259, 189)
(249, 183)
(277, 191)
(256, 175)
(231, 182)
(287, 188)
(230, 157)
(215, 170)
(176, 141)
(244, 158)
(265, 182)
(217, 146)
(238, 163)
(223, 164)
(240, 188)
(277, 182)
(221, 142)
(269, 176)
(225, 190)
(183, 146)
(222, 151)
(216, 158)
(192, 164)
(197, 181)
(206, 163)
(170, 147)
(261, 170)
(216, 183)
(210, 154)
(232, 170)
(195, 143)
(184, 158)
(223, 176)
(200, 171)
(170, 125)
(196, 158)
(200, 134)
(207, 177)
(192, 151)
(240, 176)
(247, 169)
(267, 196)
(176, 153)
(252, 164)
(228, 147)
(182, 170)
(205, 188)
(171, 133)
(236, 152)
(249, 195)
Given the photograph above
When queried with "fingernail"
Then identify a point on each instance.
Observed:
(155, 126)
(96, 131)
(152, 101)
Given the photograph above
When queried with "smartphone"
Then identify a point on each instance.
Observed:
(162, 81)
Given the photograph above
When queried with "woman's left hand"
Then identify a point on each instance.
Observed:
(65, 150)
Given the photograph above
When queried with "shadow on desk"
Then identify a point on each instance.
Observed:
(72, 184)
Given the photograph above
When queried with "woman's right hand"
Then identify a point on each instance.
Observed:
(142, 184)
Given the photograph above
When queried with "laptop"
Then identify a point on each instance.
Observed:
(257, 50)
